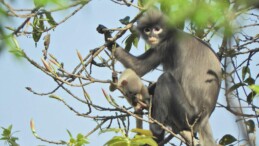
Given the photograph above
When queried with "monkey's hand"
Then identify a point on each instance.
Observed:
(101, 29)
(107, 35)
(104, 30)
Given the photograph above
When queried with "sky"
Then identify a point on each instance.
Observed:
(52, 118)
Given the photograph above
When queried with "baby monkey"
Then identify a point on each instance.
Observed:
(135, 92)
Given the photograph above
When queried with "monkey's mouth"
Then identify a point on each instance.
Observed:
(153, 41)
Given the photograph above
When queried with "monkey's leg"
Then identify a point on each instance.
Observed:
(139, 123)
(169, 106)
(189, 139)
(205, 135)
(139, 113)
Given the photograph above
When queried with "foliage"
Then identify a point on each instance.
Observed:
(7, 136)
(80, 140)
(141, 138)
(227, 139)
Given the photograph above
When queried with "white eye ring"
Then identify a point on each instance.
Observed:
(157, 30)
(147, 30)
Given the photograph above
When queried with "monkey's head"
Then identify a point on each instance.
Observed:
(152, 27)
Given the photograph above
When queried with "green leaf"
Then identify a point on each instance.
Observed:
(116, 130)
(234, 87)
(16, 50)
(38, 27)
(8, 137)
(55, 97)
(250, 126)
(40, 3)
(142, 3)
(69, 133)
(125, 20)
(142, 132)
(147, 47)
(250, 81)
(245, 70)
(250, 97)
(255, 88)
(227, 139)
(118, 141)
(110, 99)
(142, 140)
(165, 6)
(50, 19)
(132, 39)
(6, 132)
(81, 140)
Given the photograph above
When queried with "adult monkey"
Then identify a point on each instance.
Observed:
(187, 91)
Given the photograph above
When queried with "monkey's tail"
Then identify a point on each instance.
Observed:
(139, 123)
(206, 136)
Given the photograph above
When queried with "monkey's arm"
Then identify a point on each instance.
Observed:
(141, 64)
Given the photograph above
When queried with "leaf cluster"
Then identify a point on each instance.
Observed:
(142, 137)
(7, 136)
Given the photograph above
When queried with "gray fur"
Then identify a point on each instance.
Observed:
(190, 83)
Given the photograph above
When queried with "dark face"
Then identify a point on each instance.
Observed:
(153, 27)
(152, 34)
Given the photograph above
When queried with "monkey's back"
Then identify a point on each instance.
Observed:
(198, 70)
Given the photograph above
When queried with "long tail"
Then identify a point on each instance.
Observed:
(139, 123)
(206, 136)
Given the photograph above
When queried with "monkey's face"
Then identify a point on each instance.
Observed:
(152, 35)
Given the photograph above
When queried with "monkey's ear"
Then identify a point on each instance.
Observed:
(124, 83)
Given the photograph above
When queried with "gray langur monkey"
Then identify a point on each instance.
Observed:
(135, 92)
(187, 91)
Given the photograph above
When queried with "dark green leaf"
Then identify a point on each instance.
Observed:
(132, 39)
(250, 126)
(125, 20)
(245, 70)
(250, 97)
(50, 19)
(38, 27)
(69, 133)
(234, 87)
(250, 81)
(128, 46)
(227, 139)
(6, 132)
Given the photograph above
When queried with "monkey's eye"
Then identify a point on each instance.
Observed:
(157, 30)
(147, 30)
